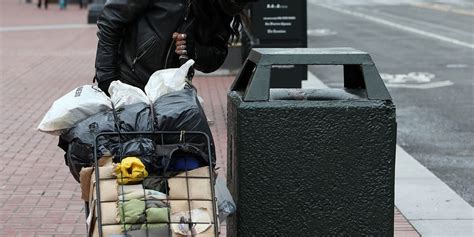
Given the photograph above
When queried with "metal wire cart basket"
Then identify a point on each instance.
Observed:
(154, 184)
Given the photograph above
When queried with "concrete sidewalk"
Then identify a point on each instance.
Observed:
(43, 55)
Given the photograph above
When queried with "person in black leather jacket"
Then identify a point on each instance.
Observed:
(139, 37)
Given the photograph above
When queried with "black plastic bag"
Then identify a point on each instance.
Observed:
(182, 111)
(183, 156)
(138, 147)
(78, 141)
(144, 149)
(135, 117)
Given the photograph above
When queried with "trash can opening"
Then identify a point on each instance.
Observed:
(318, 94)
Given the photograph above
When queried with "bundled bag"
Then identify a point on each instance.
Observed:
(78, 141)
(175, 107)
(88, 100)
(73, 107)
(175, 111)
(182, 111)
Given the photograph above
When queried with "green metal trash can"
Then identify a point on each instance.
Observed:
(311, 162)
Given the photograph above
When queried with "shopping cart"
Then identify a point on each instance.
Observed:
(172, 196)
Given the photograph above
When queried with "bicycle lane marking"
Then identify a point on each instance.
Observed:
(413, 80)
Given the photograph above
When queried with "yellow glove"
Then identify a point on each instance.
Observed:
(130, 170)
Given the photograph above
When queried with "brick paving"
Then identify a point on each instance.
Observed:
(38, 196)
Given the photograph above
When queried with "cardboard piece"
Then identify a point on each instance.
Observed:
(85, 181)
(109, 212)
(199, 188)
(85, 176)
(108, 195)
(202, 172)
(108, 190)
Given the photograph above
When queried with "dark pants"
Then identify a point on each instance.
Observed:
(82, 4)
(45, 3)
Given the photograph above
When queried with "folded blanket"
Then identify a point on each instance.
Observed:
(131, 211)
(155, 204)
(142, 194)
(157, 216)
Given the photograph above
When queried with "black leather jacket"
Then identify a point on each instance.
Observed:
(135, 40)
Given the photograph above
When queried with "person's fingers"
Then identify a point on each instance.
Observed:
(182, 36)
(180, 42)
(181, 52)
(179, 36)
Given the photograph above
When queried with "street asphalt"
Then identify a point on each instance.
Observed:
(425, 53)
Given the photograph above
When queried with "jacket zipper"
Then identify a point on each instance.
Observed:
(186, 15)
(188, 8)
(143, 52)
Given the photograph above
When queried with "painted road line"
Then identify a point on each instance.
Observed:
(433, 25)
(46, 27)
(443, 8)
(428, 203)
(397, 26)
(321, 32)
(424, 86)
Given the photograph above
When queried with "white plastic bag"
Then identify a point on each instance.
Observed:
(180, 222)
(225, 202)
(73, 107)
(167, 80)
(123, 94)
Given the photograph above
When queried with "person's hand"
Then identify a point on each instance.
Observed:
(180, 42)
(104, 86)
